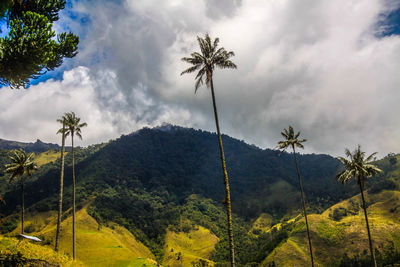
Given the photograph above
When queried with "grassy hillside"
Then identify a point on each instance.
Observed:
(97, 245)
(341, 231)
(35, 253)
(185, 248)
(47, 157)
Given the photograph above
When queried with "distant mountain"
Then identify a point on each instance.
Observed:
(170, 177)
(38, 146)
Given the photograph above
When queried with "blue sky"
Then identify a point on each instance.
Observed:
(391, 22)
(328, 68)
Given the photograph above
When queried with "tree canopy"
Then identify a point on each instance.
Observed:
(31, 47)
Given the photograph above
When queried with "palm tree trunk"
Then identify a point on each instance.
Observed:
(366, 220)
(303, 202)
(22, 204)
(226, 181)
(60, 200)
(73, 199)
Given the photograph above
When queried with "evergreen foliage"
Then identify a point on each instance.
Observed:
(30, 49)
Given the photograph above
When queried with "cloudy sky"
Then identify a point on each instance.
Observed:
(329, 68)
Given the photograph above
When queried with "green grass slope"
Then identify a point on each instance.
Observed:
(47, 157)
(34, 252)
(341, 230)
(96, 245)
(184, 249)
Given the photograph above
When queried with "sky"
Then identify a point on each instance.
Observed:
(331, 69)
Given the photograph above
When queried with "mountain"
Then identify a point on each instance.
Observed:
(38, 146)
(166, 180)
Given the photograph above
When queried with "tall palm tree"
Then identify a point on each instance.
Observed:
(20, 165)
(291, 139)
(73, 127)
(60, 200)
(205, 63)
(360, 168)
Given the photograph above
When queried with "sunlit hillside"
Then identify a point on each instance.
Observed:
(47, 157)
(97, 245)
(341, 231)
(186, 248)
(36, 254)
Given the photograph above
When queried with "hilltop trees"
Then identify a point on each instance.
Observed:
(205, 63)
(360, 168)
(20, 165)
(73, 127)
(31, 47)
(291, 139)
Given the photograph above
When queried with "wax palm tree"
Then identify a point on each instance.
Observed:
(60, 200)
(20, 165)
(73, 127)
(291, 139)
(360, 168)
(205, 62)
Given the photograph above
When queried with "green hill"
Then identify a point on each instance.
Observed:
(151, 181)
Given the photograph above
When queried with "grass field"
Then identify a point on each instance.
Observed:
(347, 234)
(181, 249)
(96, 245)
(47, 157)
(31, 250)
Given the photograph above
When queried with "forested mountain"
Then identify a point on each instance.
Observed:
(170, 178)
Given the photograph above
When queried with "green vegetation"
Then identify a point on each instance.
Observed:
(205, 63)
(22, 253)
(141, 183)
(191, 246)
(344, 241)
(46, 157)
(31, 47)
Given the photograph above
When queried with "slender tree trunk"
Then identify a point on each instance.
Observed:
(22, 204)
(366, 220)
(303, 202)
(226, 181)
(73, 198)
(60, 200)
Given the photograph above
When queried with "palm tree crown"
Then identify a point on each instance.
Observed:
(209, 58)
(73, 127)
(290, 139)
(360, 167)
(357, 166)
(20, 164)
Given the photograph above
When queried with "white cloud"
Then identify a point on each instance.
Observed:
(316, 65)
